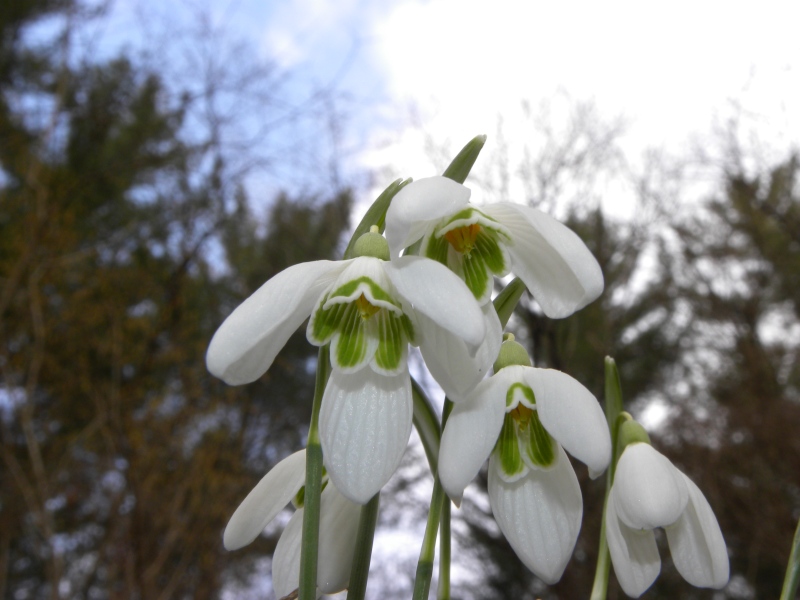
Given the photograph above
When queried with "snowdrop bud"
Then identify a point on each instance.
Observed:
(372, 244)
(511, 353)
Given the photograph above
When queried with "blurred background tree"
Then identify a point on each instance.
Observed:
(125, 240)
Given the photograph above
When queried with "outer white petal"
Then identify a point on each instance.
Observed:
(364, 426)
(555, 264)
(419, 206)
(634, 553)
(451, 362)
(338, 526)
(438, 293)
(696, 543)
(247, 342)
(286, 558)
(470, 435)
(267, 499)
(540, 515)
(649, 491)
(572, 415)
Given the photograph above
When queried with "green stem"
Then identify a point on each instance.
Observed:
(426, 422)
(422, 582)
(444, 553)
(613, 397)
(310, 539)
(363, 552)
(792, 569)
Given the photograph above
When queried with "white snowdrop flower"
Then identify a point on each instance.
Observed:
(649, 492)
(495, 239)
(369, 309)
(524, 418)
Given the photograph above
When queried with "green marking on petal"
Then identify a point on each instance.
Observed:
(476, 275)
(437, 249)
(488, 248)
(540, 447)
(351, 348)
(508, 448)
(391, 338)
(524, 389)
(325, 322)
(378, 293)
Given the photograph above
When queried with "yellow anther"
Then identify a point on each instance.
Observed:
(522, 415)
(365, 308)
(463, 238)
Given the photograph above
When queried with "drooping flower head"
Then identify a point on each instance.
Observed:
(368, 309)
(524, 418)
(480, 242)
(650, 492)
(337, 528)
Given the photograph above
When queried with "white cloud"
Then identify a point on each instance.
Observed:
(670, 67)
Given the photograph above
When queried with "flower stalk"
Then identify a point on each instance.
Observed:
(313, 488)
(613, 398)
(422, 581)
(363, 552)
(443, 592)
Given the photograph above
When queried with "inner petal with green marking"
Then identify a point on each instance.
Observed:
(523, 441)
(473, 246)
(364, 324)
(508, 455)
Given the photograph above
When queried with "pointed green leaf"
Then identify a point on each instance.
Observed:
(462, 164)
(507, 300)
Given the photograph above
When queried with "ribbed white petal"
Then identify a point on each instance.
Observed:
(247, 342)
(267, 499)
(364, 426)
(419, 206)
(540, 515)
(338, 526)
(649, 491)
(696, 543)
(451, 362)
(470, 434)
(439, 294)
(571, 414)
(555, 264)
(634, 553)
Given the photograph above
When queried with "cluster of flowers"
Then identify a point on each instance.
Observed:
(437, 296)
